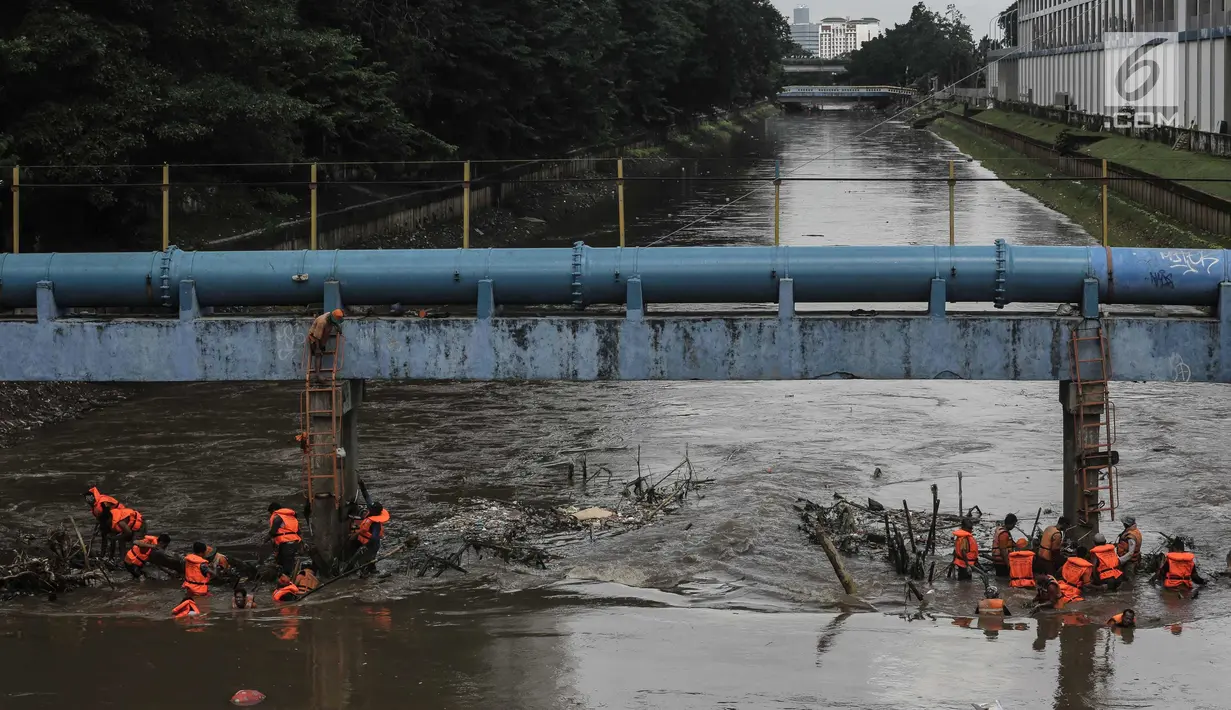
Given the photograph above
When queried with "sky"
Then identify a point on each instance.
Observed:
(892, 12)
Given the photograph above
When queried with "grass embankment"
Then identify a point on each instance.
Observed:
(1147, 156)
(1129, 224)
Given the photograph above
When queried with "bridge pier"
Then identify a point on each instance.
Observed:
(328, 517)
(1080, 429)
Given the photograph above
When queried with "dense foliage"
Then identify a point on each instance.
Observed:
(120, 82)
(930, 46)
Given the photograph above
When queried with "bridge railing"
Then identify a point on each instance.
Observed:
(433, 204)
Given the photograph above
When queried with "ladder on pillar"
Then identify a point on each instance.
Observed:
(1094, 421)
(321, 419)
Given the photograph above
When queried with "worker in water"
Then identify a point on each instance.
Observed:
(284, 533)
(1128, 547)
(125, 524)
(307, 580)
(286, 591)
(1002, 545)
(1049, 546)
(365, 540)
(1107, 570)
(322, 328)
(1049, 594)
(139, 554)
(965, 549)
(241, 600)
(991, 604)
(98, 502)
(186, 608)
(1179, 568)
(1021, 565)
(217, 559)
(1126, 619)
(1077, 572)
(197, 571)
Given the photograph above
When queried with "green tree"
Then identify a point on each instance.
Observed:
(929, 46)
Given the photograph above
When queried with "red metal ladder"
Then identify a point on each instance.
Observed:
(1094, 421)
(321, 419)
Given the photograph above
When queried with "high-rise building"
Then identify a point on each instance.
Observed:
(842, 35)
(807, 35)
(801, 15)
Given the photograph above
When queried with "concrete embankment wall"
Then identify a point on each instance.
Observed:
(1187, 205)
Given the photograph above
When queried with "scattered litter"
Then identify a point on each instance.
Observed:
(247, 698)
(595, 513)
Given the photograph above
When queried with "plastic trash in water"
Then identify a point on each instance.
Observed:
(246, 698)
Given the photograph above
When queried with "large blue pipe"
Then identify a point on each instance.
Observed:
(1000, 273)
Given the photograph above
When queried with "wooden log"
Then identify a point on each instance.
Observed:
(848, 584)
(930, 549)
(910, 528)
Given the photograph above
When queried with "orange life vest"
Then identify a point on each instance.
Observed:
(138, 556)
(364, 534)
(1021, 568)
(991, 606)
(1108, 563)
(185, 608)
(1077, 572)
(968, 557)
(284, 592)
(100, 500)
(1117, 620)
(289, 532)
(1122, 545)
(1002, 542)
(1180, 567)
(195, 580)
(216, 558)
(306, 580)
(1050, 543)
(120, 514)
(1068, 594)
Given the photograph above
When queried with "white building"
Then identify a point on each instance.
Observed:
(840, 35)
(1059, 59)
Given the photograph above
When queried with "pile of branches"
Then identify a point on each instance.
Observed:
(646, 496)
(60, 563)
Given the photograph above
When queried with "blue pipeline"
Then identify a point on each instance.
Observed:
(998, 274)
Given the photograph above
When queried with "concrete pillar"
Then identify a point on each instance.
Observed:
(329, 522)
(1074, 490)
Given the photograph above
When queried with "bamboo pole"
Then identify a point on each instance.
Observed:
(466, 205)
(952, 187)
(312, 208)
(620, 195)
(777, 202)
(16, 187)
(1105, 202)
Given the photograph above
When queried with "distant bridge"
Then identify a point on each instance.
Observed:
(813, 67)
(813, 94)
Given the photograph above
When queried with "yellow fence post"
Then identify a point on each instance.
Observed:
(620, 194)
(952, 186)
(777, 201)
(166, 206)
(1104, 202)
(16, 187)
(466, 205)
(312, 225)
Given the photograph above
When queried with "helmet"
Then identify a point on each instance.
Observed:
(337, 313)
(1129, 521)
(1099, 539)
(1022, 543)
(991, 592)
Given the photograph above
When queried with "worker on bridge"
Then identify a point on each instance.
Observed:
(1021, 565)
(139, 554)
(1002, 545)
(1107, 570)
(366, 537)
(323, 329)
(1050, 560)
(965, 550)
(1178, 569)
(197, 571)
(1128, 547)
(284, 533)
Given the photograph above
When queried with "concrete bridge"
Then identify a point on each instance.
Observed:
(824, 94)
(585, 314)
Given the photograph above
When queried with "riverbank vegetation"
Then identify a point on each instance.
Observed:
(1129, 224)
(117, 84)
(930, 47)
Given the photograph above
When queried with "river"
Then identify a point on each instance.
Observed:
(723, 605)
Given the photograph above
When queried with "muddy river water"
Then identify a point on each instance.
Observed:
(723, 605)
